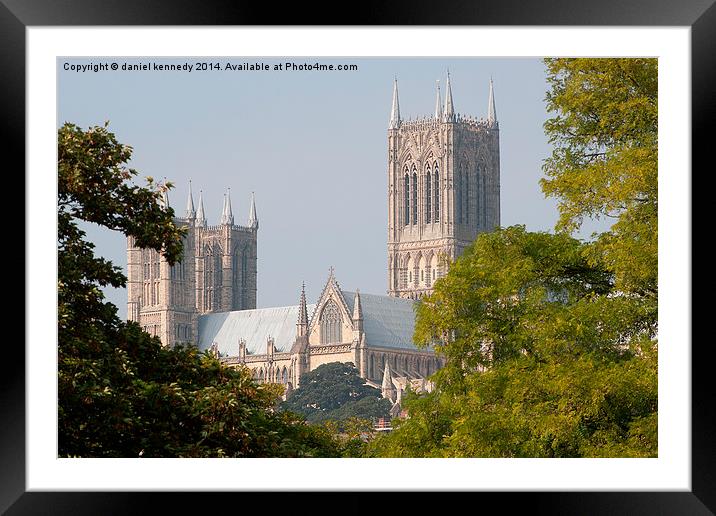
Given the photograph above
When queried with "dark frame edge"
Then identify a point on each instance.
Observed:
(12, 381)
(703, 113)
(702, 498)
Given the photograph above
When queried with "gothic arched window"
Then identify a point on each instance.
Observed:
(458, 195)
(406, 197)
(436, 187)
(244, 270)
(396, 272)
(466, 195)
(428, 196)
(415, 196)
(236, 280)
(330, 323)
(217, 280)
(208, 278)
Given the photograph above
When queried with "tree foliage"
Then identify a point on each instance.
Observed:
(551, 342)
(121, 394)
(605, 159)
(336, 392)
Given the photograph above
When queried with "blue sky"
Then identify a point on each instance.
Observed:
(312, 145)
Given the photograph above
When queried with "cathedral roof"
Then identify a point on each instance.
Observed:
(253, 326)
(388, 322)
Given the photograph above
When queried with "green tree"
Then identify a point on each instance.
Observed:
(335, 391)
(121, 394)
(550, 342)
(605, 160)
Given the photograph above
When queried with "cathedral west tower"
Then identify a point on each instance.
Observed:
(217, 273)
(443, 189)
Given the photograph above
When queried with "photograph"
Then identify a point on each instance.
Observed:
(430, 251)
(357, 257)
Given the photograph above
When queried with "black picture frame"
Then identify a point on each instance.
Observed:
(17, 15)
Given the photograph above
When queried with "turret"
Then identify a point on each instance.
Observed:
(357, 316)
(491, 112)
(302, 324)
(242, 351)
(165, 195)
(200, 220)
(395, 110)
(190, 212)
(270, 348)
(387, 388)
(253, 218)
(227, 217)
(449, 111)
(438, 102)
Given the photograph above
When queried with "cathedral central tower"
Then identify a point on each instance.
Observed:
(443, 189)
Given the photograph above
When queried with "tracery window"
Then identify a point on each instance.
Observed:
(330, 323)
(436, 188)
(244, 274)
(458, 195)
(406, 197)
(466, 195)
(208, 278)
(212, 278)
(415, 196)
(238, 279)
(428, 197)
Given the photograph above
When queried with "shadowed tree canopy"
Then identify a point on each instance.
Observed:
(121, 394)
(551, 342)
(335, 391)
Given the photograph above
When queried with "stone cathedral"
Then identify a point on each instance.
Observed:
(216, 274)
(443, 189)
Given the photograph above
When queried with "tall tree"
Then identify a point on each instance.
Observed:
(550, 342)
(605, 160)
(121, 394)
(335, 391)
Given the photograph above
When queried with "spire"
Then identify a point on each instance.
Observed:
(227, 218)
(200, 217)
(448, 112)
(222, 219)
(358, 334)
(438, 102)
(165, 199)
(491, 113)
(190, 212)
(165, 195)
(302, 324)
(253, 218)
(357, 308)
(387, 388)
(395, 111)
(229, 213)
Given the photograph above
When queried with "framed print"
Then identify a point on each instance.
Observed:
(194, 89)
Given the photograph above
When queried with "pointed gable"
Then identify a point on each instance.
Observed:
(331, 294)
